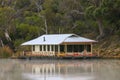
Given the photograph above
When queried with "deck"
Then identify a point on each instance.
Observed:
(52, 55)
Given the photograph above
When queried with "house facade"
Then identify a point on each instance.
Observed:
(60, 45)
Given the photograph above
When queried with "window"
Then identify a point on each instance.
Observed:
(76, 49)
(48, 47)
(56, 48)
(33, 47)
(52, 48)
(40, 47)
(44, 48)
(62, 48)
(88, 48)
(81, 48)
(69, 48)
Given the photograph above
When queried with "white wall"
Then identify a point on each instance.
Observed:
(51, 52)
(37, 48)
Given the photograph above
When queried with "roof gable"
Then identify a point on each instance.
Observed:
(78, 39)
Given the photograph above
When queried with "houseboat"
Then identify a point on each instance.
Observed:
(60, 46)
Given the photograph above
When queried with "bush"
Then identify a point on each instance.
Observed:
(5, 52)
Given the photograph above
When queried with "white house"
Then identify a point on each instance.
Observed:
(60, 45)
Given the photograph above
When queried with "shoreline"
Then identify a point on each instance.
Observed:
(68, 58)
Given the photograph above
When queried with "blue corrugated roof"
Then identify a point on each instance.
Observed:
(55, 39)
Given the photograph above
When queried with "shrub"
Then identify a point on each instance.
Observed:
(5, 52)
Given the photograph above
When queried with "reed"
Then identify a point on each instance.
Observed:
(5, 52)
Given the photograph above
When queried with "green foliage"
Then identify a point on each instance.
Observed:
(24, 19)
(18, 42)
(34, 20)
(22, 4)
(6, 14)
(26, 31)
(89, 11)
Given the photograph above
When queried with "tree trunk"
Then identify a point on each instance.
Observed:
(100, 26)
(1, 43)
(46, 26)
(39, 8)
(7, 35)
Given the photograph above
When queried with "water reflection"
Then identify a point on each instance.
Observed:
(59, 69)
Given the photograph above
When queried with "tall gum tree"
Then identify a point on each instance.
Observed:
(39, 7)
(6, 21)
(96, 11)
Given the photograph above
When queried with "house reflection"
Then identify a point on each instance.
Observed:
(59, 68)
(43, 69)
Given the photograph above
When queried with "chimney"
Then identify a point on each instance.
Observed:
(44, 39)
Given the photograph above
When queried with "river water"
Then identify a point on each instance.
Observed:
(13, 69)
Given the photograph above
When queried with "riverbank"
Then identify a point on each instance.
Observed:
(108, 47)
(109, 53)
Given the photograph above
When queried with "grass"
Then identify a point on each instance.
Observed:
(5, 52)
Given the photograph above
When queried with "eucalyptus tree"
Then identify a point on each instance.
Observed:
(112, 15)
(95, 11)
(39, 7)
(102, 11)
(6, 21)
